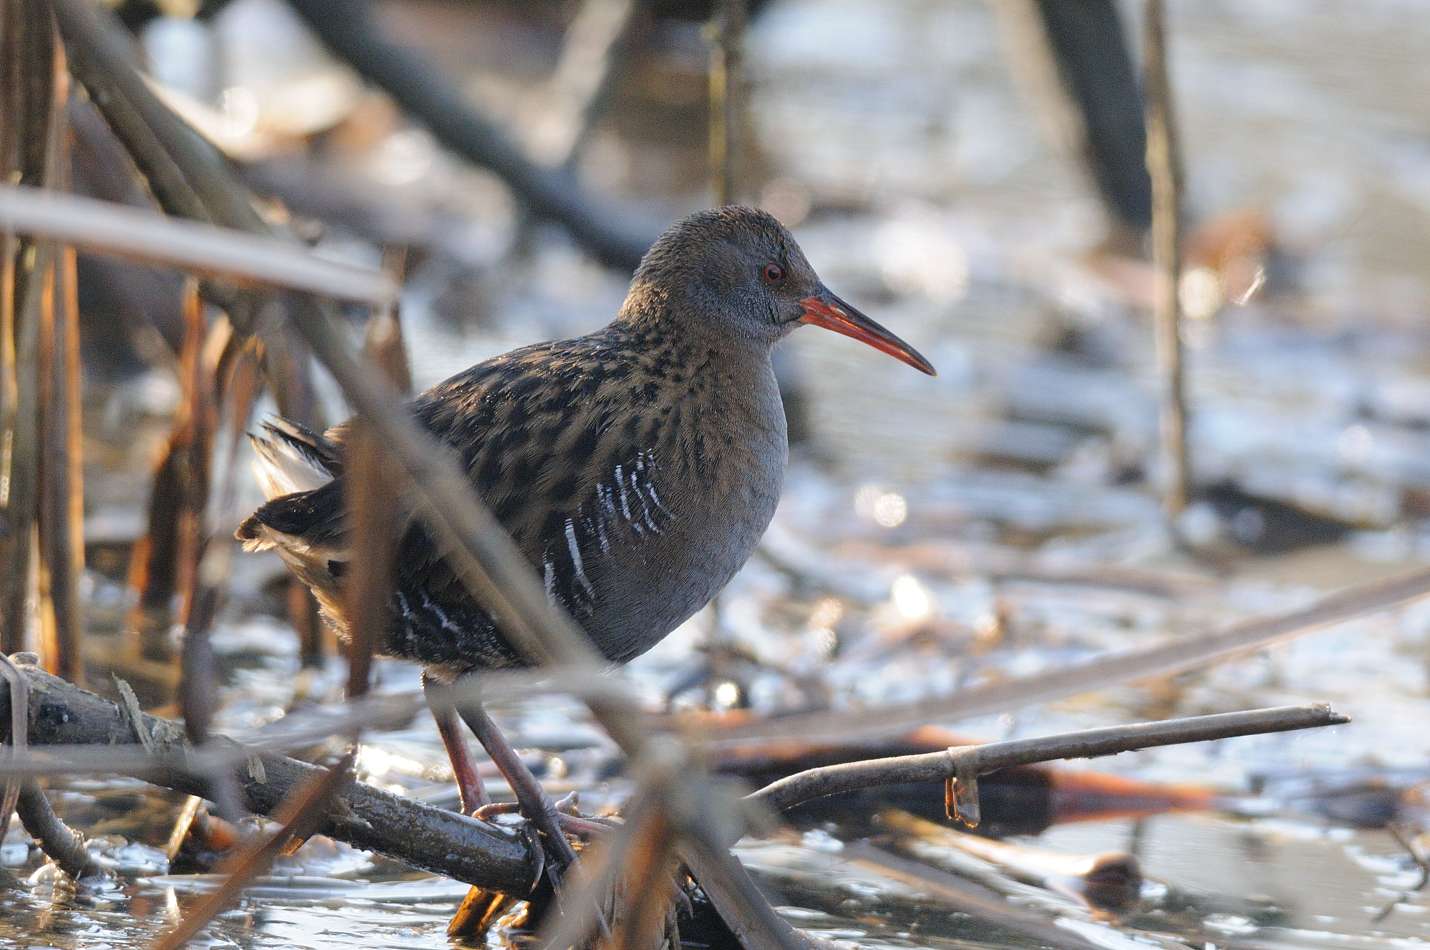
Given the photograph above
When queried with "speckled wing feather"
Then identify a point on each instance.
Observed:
(555, 446)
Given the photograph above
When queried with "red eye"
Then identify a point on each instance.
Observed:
(773, 273)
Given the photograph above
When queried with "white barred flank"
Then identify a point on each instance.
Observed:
(625, 506)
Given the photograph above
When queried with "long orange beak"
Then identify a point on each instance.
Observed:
(826, 310)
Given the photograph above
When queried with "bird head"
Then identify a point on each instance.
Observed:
(738, 272)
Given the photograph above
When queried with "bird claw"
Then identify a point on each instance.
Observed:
(550, 845)
(538, 851)
(553, 859)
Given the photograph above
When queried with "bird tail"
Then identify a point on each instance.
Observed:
(293, 458)
(293, 463)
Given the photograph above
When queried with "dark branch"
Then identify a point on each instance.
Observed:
(416, 834)
(60, 844)
(349, 29)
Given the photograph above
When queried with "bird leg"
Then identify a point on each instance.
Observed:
(531, 798)
(469, 783)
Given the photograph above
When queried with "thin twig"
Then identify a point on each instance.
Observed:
(204, 249)
(595, 52)
(590, 886)
(61, 495)
(372, 512)
(1163, 659)
(29, 144)
(110, 89)
(1165, 167)
(154, 135)
(648, 888)
(990, 757)
(21, 436)
(300, 815)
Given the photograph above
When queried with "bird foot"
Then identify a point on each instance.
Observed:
(548, 833)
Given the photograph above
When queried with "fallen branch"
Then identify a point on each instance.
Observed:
(968, 762)
(418, 835)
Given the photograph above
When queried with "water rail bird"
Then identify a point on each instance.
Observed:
(635, 467)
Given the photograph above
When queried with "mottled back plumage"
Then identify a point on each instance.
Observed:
(635, 467)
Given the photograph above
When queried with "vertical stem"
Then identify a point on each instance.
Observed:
(23, 437)
(371, 494)
(27, 139)
(726, 72)
(61, 487)
(1164, 167)
(371, 498)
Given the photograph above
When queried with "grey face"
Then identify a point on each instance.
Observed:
(739, 273)
(733, 270)
(754, 278)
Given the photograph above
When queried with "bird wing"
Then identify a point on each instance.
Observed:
(551, 438)
(539, 433)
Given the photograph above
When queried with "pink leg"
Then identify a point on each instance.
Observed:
(469, 784)
(536, 806)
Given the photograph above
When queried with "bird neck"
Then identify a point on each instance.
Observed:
(650, 316)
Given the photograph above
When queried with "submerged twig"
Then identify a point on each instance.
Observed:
(59, 842)
(964, 895)
(1165, 167)
(978, 760)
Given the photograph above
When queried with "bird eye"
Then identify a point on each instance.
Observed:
(773, 273)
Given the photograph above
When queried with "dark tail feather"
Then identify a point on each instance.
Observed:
(314, 518)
